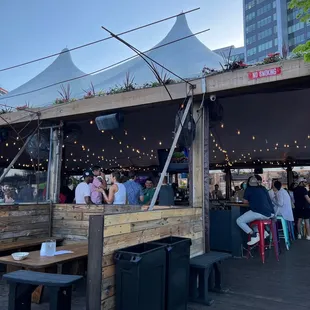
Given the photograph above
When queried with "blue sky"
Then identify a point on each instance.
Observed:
(35, 28)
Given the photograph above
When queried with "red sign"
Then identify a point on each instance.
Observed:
(265, 73)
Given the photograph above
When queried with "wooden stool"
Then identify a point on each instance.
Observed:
(23, 283)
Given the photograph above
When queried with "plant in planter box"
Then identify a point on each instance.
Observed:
(65, 93)
(271, 58)
(90, 93)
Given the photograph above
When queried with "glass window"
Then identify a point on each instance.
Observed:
(251, 51)
(264, 34)
(297, 40)
(251, 40)
(264, 9)
(250, 16)
(276, 42)
(265, 46)
(250, 5)
(250, 28)
(264, 21)
(296, 27)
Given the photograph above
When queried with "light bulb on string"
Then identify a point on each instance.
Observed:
(238, 132)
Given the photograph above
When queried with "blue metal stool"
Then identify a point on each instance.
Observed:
(291, 230)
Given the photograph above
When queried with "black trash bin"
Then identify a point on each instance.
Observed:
(177, 271)
(140, 277)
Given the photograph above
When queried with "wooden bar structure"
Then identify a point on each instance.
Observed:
(123, 226)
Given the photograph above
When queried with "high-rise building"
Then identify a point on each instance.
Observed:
(235, 53)
(269, 27)
(3, 91)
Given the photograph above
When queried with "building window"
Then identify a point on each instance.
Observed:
(293, 15)
(276, 42)
(251, 40)
(275, 29)
(275, 16)
(264, 9)
(259, 1)
(264, 34)
(264, 21)
(274, 4)
(265, 46)
(251, 51)
(297, 40)
(250, 16)
(250, 5)
(296, 27)
(250, 28)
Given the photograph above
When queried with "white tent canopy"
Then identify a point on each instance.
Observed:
(186, 58)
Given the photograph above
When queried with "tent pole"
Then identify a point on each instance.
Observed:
(6, 170)
(174, 143)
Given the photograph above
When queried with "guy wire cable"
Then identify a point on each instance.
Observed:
(95, 42)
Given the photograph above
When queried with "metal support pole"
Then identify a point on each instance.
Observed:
(174, 143)
(49, 166)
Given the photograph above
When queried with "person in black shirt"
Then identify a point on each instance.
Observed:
(302, 206)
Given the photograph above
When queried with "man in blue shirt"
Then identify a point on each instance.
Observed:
(260, 206)
(134, 190)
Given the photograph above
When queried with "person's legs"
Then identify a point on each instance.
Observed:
(307, 228)
(249, 217)
(299, 228)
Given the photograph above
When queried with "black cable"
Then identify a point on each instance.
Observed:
(94, 72)
(95, 42)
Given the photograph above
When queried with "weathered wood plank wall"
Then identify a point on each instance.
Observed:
(129, 229)
(18, 222)
(127, 226)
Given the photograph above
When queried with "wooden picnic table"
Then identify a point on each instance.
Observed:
(64, 263)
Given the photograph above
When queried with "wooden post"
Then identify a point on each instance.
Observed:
(228, 182)
(290, 176)
(55, 164)
(196, 159)
(94, 266)
(206, 162)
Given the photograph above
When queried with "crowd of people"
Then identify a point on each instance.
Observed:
(24, 193)
(124, 190)
(291, 204)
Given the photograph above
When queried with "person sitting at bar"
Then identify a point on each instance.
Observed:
(260, 205)
(302, 206)
(166, 194)
(148, 192)
(134, 190)
(82, 191)
(282, 202)
(117, 192)
(98, 182)
(217, 194)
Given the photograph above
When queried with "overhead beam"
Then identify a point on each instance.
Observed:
(103, 104)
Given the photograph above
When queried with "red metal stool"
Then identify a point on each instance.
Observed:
(261, 229)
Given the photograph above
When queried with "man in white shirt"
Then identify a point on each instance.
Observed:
(282, 202)
(82, 191)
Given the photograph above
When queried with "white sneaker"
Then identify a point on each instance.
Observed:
(299, 236)
(266, 235)
(254, 240)
(308, 237)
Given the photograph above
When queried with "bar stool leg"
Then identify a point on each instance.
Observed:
(261, 230)
(275, 238)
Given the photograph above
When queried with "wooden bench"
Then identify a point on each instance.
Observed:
(22, 245)
(205, 276)
(23, 283)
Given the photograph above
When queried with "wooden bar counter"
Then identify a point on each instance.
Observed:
(225, 235)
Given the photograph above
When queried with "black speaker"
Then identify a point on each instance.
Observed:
(110, 121)
(216, 113)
